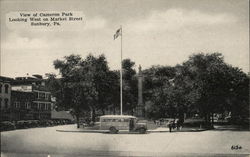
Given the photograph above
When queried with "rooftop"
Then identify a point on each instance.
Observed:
(117, 116)
(6, 79)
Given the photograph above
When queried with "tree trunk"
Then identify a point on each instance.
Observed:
(212, 119)
(93, 115)
(77, 120)
(113, 109)
(206, 118)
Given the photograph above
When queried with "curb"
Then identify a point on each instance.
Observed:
(148, 131)
(105, 131)
(87, 131)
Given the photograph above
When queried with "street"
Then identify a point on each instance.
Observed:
(47, 142)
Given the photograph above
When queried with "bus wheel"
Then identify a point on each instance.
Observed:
(113, 130)
(142, 130)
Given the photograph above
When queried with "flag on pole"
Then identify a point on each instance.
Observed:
(118, 32)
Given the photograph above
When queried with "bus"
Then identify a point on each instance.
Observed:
(114, 123)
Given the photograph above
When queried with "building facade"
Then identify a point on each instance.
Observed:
(21, 105)
(24, 98)
(31, 98)
(5, 97)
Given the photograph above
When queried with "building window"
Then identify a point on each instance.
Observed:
(17, 104)
(41, 95)
(35, 106)
(27, 105)
(40, 106)
(47, 106)
(47, 96)
(1, 88)
(50, 107)
(6, 103)
(6, 88)
(0, 102)
(43, 106)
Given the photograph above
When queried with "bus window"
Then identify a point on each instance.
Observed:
(106, 120)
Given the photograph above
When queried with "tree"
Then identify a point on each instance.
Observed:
(113, 90)
(238, 93)
(129, 86)
(73, 87)
(203, 84)
(84, 83)
(55, 87)
(157, 91)
(216, 84)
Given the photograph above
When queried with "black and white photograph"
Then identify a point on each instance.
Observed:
(124, 78)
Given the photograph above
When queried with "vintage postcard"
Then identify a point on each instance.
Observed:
(124, 78)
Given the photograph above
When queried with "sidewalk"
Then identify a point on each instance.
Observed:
(91, 130)
(159, 129)
(164, 129)
(94, 130)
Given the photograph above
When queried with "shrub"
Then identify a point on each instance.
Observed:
(68, 121)
(22, 124)
(33, 123)
(55, 122)
(43, 123)
(50, 122)
(61, 122)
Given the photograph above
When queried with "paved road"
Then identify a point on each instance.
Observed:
(47, 142)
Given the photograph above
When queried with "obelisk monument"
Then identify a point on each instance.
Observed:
(140, 106)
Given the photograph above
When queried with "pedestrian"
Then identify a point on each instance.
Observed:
(174, 124)
(171, 126)
(178, 124)
(181, 121)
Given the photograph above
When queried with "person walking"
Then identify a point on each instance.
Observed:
(170, 127)
(178, 124)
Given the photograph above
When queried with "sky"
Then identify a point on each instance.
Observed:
(155, 32)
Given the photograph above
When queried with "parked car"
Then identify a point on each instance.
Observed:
(6, 126)
(56, 122)
(33, 123)
(22, 124)
(44, 123)
(166, 121)
(215, 118)
(238, 120)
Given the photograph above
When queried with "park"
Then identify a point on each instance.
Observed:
(135, 78)
(48, 141)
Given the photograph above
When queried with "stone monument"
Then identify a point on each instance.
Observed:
(140, 110)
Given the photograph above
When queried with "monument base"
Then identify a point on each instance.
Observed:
(140, 112)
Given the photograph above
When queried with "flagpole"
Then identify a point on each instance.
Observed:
(121, 72)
